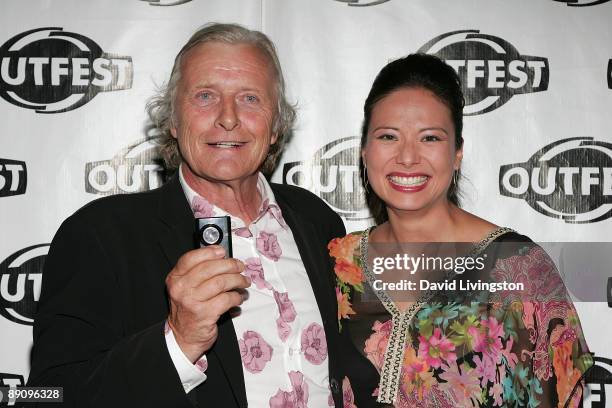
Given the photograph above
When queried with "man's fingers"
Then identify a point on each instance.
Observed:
(196, 256)
(203, 271)
(207, 270)
(224, 302)
(219, 284)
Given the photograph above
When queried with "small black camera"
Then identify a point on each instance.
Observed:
(215, 231)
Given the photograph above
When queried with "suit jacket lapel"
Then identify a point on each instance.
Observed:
(176, 222)
(176, 236)
(307, 240)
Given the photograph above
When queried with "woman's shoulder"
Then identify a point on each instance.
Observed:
(504, 242)
(505, 234)
(348, 266)
(344, 247)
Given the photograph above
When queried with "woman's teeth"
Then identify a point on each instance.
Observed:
(408, 181)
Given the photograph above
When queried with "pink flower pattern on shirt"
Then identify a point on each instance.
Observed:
(285, 306)
(314, 345)
(282, 399)
(201, 207)
(287, 314)
(296, 398)
(202, 364)
(268, 246)
(254, 270)
(242, 232)
(347, 394)
(300, 388)
(283, 329)
(254, 351)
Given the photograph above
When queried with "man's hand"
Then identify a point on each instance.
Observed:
(202, 286)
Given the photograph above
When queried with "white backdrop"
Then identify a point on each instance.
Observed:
(537, 72)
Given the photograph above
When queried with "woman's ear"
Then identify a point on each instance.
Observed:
(458, 158)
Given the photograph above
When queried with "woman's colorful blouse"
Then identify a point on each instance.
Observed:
(485, 349)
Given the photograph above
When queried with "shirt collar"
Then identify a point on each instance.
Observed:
(203, 208)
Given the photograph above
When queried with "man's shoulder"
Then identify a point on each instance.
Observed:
(122, 209)
(121, 203)
(300, 200)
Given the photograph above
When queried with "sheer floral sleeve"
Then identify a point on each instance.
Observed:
(542, 332)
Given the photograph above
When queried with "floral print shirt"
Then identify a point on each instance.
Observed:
(485, 349)
(279, 328)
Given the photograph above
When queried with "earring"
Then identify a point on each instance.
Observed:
(364, 175)
(455, 177)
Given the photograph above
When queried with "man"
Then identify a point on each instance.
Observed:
(132, 315)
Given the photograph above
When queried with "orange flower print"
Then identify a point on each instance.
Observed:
(348, 272)
(344, 248)
(344, 306)
(567, 374)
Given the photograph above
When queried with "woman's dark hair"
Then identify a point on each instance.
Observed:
(415, 71)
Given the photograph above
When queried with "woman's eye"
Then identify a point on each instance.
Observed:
(431, 138)
(386, 136)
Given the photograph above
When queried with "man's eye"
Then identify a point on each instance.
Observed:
(204, 96)
(251, 98)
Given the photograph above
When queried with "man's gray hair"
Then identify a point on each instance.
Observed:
(161, 107)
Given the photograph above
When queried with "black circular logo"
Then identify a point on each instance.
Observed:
(50, 70)
(333, 174)
(570, 179)
(20, 282)
(139, 167)
(490, 68)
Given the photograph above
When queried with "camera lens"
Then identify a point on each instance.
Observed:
(211, 234)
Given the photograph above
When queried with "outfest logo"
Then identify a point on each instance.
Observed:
(598, 379)
(582, 3)
(362, 3)
(166, 2)
(333, 175)
(20, 283)
(13, 177)
(136, 168)
(51, 71)
(9, 380)
(491, 69)
(570, 179)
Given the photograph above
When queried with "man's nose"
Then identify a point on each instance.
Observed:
(408, 153)
(228, 117)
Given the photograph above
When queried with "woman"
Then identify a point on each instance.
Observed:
(446, 348)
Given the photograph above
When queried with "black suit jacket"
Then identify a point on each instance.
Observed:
(98, 331)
